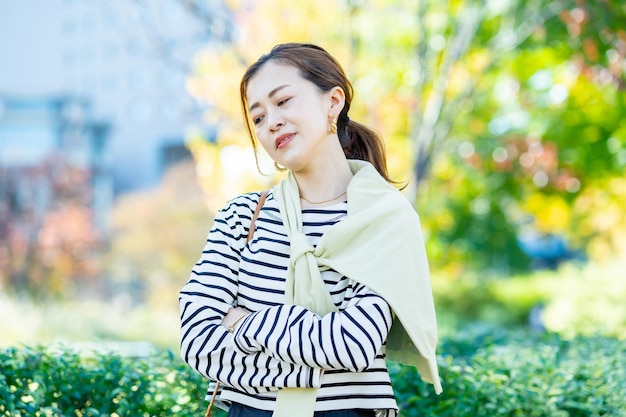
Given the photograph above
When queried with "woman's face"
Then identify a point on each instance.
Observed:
(290, 115)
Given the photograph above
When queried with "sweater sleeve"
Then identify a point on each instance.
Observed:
(206, 345)
(349, 339)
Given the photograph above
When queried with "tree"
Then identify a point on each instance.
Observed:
(540, 153)
(453, 87)
(157, 236)
(49, 239)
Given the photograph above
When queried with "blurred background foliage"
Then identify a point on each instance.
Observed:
(505, 117)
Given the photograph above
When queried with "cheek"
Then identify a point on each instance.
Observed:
(264, 139)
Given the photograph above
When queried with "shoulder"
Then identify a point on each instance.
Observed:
(242, 206)
(243, 201)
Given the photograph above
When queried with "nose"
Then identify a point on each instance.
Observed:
(274, 121)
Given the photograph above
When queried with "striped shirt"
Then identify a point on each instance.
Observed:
(278, 345)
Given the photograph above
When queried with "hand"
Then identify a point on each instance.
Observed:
(234, 315)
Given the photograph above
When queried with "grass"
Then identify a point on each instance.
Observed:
(27, 322)
(586, 300)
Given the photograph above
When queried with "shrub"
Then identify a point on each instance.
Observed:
(520, 375)
(60, 381)
(490, 373)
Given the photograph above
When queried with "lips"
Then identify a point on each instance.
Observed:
(283, 140)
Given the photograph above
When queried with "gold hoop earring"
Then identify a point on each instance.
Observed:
(279, 168)
(333, 125)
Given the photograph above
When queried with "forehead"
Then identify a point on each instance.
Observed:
(270, 76)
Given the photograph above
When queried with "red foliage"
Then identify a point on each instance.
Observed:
(48, 231)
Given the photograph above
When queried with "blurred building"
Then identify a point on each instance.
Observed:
(125, 61)
(35, 132)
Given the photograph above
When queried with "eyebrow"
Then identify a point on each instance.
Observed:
(270, 95)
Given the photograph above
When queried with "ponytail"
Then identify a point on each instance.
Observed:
(360, 142)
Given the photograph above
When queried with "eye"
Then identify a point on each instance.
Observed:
(257, 119)
(283, 101)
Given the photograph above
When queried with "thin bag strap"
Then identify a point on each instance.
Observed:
(251, 231)
(259, 206)
(210, 407)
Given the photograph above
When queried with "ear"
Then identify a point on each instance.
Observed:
(337, 98)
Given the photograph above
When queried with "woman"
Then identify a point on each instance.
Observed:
(299, 319)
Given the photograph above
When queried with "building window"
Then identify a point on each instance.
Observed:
(170, 109)
(88, 24)
(87, 54)
(139, 111)
(110, 51)
(139, 79)
(110, 19)
(69, 26)
(172, 154)
(108, 82)
(69, 57)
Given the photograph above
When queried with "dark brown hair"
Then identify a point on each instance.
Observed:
(319, 67)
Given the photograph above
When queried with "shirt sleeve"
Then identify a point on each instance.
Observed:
(349, 339)
(206, 345)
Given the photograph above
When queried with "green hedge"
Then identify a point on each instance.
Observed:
(497, 373)
(489, 374)
(60, 381)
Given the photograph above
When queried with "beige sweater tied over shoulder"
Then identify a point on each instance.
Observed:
(379, 244)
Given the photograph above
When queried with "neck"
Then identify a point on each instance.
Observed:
(324, 185)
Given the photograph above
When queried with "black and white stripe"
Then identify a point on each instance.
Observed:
(281, 345)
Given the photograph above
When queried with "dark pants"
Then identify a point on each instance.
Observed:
(240, 410)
